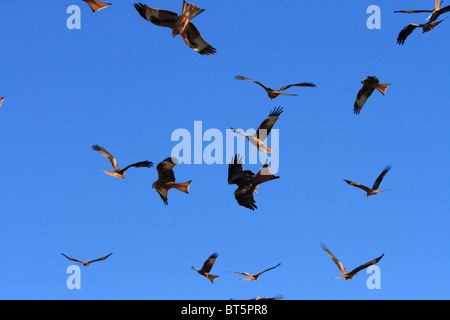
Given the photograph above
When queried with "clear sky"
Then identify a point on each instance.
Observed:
(127, 85)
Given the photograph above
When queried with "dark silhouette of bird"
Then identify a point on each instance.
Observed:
(253, 277)
(369, 85)
(86, 263)
(374, 190)
(207, 266)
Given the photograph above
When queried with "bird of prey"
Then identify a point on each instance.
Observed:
(119, 173)
(247, 181)
(180, 24)
(96, 5)
(166, 179)
(374, 190)
(263, 131)
(253, 277)
(345, 274)
(86, 263)
(426, 27)
(1, 100)
(207, 266)
(275, 93)
(369, 85)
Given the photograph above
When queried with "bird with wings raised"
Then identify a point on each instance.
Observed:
(275, 93)
(207, 266)
(253, 277)
(247, 181)
(96, 5)
(166, 179)
(374, 190)
(119, 173)
(86, 263)
(180, 24)
(369, 85)
(345, 274)
(426, 27)
(257, 139)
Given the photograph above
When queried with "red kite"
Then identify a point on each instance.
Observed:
(119, 173)
(207, 266)
(275, 93)
(86, 263)
(1, 101)
(435, 13)
(96, 5)
(247, 181)
(374, 190)
(369, 85)
(166, 179)
(345, 274)
(263, 131)
(254, 277)
(180, 24)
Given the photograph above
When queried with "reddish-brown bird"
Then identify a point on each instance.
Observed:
(166, 179)
(345, 274)
(180, 24)
(272, 93)
(119, 173)
(207, 266)
(374, 190)
(96, 5)
(369, 85)
(86, 263)
(253, 277)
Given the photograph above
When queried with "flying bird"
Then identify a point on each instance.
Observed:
(119, 173)
(263, 131)
(166, 179)
(1, 101)
(374, 190)
(369, 85)
(345, 274)
(435, 13)
(207, 266)
(180, 24)
(96, 5)
(86, 263)
(247, 181)
(253, 277)
(275, 93)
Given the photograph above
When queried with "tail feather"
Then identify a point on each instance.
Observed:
(184, 186)
(191, 10)
(382, 87)
(211, 277)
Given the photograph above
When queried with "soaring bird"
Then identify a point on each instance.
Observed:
(247, 181)
(345, 274)
(374, 190)
(1, 100)
(207, 266)
(166, 179)
(253, 277)
(86, 263)
(180, 24)
(369, 85)
(426, 27)
(96, 5)
(119, 173)
(275, 93)
(263, 131)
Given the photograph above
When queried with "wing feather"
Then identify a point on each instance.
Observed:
(335, 260)
(159, 17)
(266, 126)
(380, 177)
(195, 41)
(107, 155)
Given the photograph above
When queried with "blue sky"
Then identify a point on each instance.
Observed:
(125, 84)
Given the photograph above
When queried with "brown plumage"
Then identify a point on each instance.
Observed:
(96, 5)
(275, 93)
(119, 173)
(207, 266)
(247, 181)
(345, 274)
(180, 24)
(166, 179)
(253, 277)
(1, 100)
(86, 263)
(263, 131)
(369, 85)
(374, 190)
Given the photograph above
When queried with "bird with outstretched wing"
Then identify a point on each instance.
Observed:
(207, 266)
(369, 85)
(374, 190)
(254, 277)
(86, 263)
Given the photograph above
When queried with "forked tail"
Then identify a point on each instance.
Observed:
(184, 186)
(382, 87)
(191, 10)
(211, 277)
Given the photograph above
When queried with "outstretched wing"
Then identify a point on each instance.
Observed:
(266, 126)
(165, 169)
(244, 78)
(96, 5)
(303, 84)
(265, 174)
(159, 17)
(412, 11)
(107, 155)
(356, 270)
(72, 259)
(208, 264)
(256, 275)
(406, 31)
(436, 14)
(100, 259)
(242, 273)
(355, 184)
(336, 261)
(363, 94)
(380, 178)
(195, 41)
(234, 169)
(146, 164)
